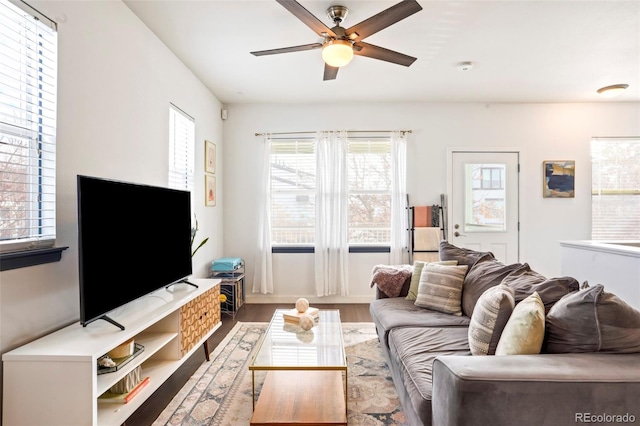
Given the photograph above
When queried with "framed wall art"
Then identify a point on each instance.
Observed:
(210, 190)
(209, 157)
(559, 178)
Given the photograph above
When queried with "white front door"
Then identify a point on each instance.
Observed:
(483, 211)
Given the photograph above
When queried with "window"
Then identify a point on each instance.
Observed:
(615, 189)
(293, 191)
(182, 130)
(369, 192)
(485, 209)
(28, 65)
(293, 185)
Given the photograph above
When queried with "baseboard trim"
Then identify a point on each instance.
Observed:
(277, 298)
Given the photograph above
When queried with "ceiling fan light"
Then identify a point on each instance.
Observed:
(337, 53)
(612, 91)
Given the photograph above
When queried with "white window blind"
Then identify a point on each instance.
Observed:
(182, 130)
(615, 189)
(369, 163)
(293, 191)
(28, 72)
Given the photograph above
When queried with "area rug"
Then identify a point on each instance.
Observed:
(219, 392)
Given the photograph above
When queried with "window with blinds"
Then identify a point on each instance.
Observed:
(615, 189)
(369, 191)
(293, 191)
(28, 69)
(182, 130)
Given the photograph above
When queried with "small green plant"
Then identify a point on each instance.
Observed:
(194, 231)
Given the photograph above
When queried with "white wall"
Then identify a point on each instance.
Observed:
(540, 131)
(115, 83)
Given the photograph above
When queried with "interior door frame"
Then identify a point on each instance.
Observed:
(451, 151)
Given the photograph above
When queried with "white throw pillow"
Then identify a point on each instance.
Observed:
(524, 331)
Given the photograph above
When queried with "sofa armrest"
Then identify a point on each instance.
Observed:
(548, 389)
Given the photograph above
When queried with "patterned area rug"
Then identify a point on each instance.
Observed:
(219, 392)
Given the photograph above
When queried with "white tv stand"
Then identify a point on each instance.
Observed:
(53, 380)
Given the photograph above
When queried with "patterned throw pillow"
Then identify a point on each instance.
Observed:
(524, 331)
(489, 318)
(417, 271)
(440, 288)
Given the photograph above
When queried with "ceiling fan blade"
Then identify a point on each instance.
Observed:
(376, 52)
(384, 19)
(307, 17)
(330, 73)
(287, 49)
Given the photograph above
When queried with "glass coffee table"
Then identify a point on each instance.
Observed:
(304, 381)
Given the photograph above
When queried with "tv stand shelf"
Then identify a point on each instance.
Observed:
(53, 380)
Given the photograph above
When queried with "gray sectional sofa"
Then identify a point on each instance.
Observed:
(586, 370)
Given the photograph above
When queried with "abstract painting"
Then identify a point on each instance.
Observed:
(559, 179)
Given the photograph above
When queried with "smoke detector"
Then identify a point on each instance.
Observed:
(465, 66)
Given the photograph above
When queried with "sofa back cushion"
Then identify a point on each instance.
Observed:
(464, 256)
(592, 320)
(525, 282)
(484, 274)
(441, 288)
(489, 318)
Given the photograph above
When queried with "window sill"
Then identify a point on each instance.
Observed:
(22, 259)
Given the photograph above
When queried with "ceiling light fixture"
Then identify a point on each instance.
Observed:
(337, 53)
(612, 91)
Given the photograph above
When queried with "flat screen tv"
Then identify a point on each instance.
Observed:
(132, 239)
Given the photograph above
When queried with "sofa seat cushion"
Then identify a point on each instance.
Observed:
(414, 349)
(400, 312)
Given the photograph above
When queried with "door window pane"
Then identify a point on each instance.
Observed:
(485, 198)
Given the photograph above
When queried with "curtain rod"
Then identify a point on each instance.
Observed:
(348, 131)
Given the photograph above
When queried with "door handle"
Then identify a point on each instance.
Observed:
(457, 234)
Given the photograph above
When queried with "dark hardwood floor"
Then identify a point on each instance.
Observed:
(152, 408)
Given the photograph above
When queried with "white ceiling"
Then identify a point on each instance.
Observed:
(522, 51)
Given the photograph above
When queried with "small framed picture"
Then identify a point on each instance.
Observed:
(559, 179)
(209, 157)
(210, 190)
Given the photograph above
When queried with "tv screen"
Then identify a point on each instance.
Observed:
(132, 240)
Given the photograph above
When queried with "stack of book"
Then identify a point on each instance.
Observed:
(123, 398)
(293, 315)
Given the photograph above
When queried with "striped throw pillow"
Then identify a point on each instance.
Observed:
(490, 315)
(440, 288)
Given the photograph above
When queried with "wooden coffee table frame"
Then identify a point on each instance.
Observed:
(306, 393)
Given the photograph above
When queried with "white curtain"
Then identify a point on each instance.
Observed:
(263, 275)
(399, 220)
(332, 210)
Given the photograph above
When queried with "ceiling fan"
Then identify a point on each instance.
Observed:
(340, 44)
